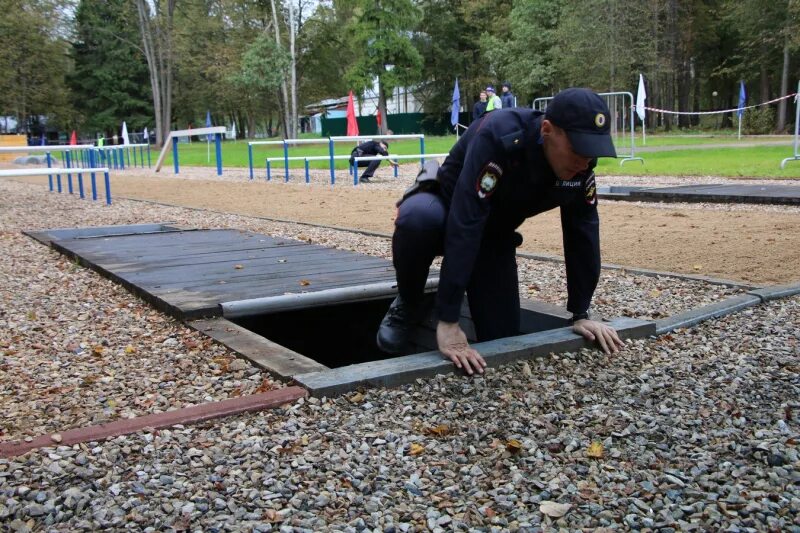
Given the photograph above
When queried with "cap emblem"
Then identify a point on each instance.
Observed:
(600, 120)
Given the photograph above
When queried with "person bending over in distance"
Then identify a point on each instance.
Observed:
(367, 149)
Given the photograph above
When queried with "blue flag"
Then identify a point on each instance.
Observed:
(742, 100)
(210, 136)
(456, 105)
(43, 141)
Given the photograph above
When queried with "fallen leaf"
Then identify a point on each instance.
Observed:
(304, 282)
(31, 315)
(130, 349)
(357, 398)
(514, 446)
(655, 293)
(489, 512)
(697, 267)
(441, 430)
(554, 509)
(416, 449)
(526, 370)
(265, 386)
(97, 351)
(595, 450)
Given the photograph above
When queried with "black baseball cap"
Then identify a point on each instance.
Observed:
(585, 117)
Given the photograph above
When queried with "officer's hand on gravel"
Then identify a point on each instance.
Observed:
(453, 344)
(604, 335)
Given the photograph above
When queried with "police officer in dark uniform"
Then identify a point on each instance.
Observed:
(508, 166)
(367, 149)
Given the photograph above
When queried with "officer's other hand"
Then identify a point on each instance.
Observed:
(394, 164)
(602, 334)
(453, 344)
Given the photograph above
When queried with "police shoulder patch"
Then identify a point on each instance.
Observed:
(488, 180)
(590, 190)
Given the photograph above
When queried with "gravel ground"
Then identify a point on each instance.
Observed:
(697, 429)
(692, 431)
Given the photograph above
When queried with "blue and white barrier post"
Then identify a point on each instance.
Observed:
(175, 154)
(50, 176)
(218, 148)
(68, 163)
(286, 158)
(333, 170)
(250, 158)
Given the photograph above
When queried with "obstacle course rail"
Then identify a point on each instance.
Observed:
(68, 171)
(387, 158)
(330, 141)
(89, 155)
(217, 131)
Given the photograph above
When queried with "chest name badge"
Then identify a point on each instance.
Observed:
(487, 183)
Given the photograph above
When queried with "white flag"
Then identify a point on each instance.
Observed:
(125, 139)
(146, 135)
(233, 130)
(641, 96)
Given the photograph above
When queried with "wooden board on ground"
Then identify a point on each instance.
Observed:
(189, 273)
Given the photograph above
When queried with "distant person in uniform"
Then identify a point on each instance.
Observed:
(370, 148)
(508, 98)
(511, 165)
(494, 100)
(480, 107)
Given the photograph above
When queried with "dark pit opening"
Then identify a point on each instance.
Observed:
(335, 335)
(344, 334)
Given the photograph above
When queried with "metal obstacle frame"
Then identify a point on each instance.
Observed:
(216, 131)
(537, 104)
(113, 156)
(389, 158)
(796, 155)
(77, 170)
(330, 141)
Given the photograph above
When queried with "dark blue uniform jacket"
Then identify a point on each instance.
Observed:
(494, 178)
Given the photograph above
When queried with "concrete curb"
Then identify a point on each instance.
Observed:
(695, 316)
(400, 370)
(775, 292)
(187, 415)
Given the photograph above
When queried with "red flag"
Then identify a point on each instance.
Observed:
(74, 138)
(378, 118)
(352, 125)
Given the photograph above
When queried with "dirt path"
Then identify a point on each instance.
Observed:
(747, 243)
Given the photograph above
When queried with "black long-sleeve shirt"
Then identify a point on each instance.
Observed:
(494, 178)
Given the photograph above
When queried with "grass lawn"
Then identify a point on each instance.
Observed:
(758, 161)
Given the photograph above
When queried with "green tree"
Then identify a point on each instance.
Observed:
(33, 62)
(110, 80)
(527, 53)
(382, 31)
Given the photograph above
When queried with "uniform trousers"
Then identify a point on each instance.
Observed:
(493, 289)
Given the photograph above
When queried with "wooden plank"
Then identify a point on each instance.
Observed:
(184, 416)
(240, 266)
(196, 276)
(272, 357)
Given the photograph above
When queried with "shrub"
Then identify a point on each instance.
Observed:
(758, 121)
